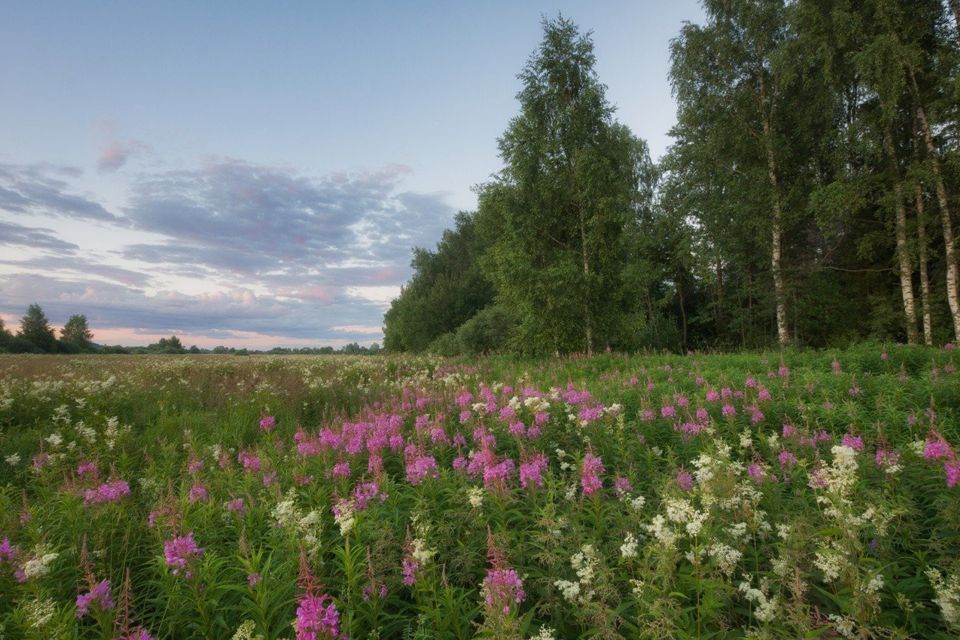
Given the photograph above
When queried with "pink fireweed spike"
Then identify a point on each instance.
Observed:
(180, 554)
(99, 594)
(590, 474)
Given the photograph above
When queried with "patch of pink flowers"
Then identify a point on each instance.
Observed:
(590, 474)
(180, 553)
(317, 618)
(267, 424)
(99, 594)
(502, 588)
(107, 492)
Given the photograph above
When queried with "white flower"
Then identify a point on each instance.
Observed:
(55, 439)
(13, 459)
(570, 590)
(475, 497)
(948, 595)
(545, 633)
(629, 547)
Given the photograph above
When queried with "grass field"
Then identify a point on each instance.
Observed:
(806, 495)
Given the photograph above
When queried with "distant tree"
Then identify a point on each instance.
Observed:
(35, 328)
(167, 345)
(194, 349)
(5, 336)
(76, 331)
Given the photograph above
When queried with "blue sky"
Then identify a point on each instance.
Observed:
(257, 174)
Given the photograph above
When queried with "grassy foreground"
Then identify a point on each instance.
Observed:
(806, 495)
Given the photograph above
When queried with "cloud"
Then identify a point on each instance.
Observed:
(41, 188)
(218, 315)
(81, 267)
(309, 237)
(301, 257)
(115, 154)
(14, 234)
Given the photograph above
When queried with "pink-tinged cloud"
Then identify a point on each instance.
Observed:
(115, 155)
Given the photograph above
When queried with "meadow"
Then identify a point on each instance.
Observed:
(803, 494)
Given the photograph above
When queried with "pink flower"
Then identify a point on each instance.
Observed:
(667, 411)
(531, 471)
(316, 619)
(952, 470)
(253, 579)
(852, 441)
(267, 423)
(756, 473)
(180, 553)
(7, 550)
(108, 492)
(685, 480)
(728, 411)
(341, 469)
(410, 568)
(622, 486)
(786, 459)
(87, 467)
(419, 467)
(236, 506)
(937, 449)
(590, 474)
(249, 460)
(198, 493)
(99, 594)
(502, 588)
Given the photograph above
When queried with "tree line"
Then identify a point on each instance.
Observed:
(808, 196)
(37, 336)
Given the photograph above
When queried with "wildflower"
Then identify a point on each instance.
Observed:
(728, 411)
(198, 493)
(475, 495)
(7, 550)
(622, 486)
(316, 619)
(250, 461)
(502, 588)
(341, 469)
(236, 506)
(531, 471)
(590, 474)
(267, 424)
(107, 492)
(253, 579)
(852, 441)
(786, 458)
(685, 480)
(937, 449)
(756, 472)
(948, 595)
(419, 467)
(38, 565)
(180, 553)
(99, 594)
(667, 411)
(629, 547)
(13, 459)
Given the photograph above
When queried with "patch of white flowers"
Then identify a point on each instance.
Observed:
(947, 589)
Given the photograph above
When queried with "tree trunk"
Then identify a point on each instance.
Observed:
(588, 326)
(776, 233)
(903, 250)
(924, 279)
(953, 277)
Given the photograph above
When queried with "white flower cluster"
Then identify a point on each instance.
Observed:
(766, 606)
(39, 564)
(948, 595)
(629, 547)
(246, 631)
(39, 612)
(345, 516)
(475, 497)
(664, 534)
(545, 633)
(725, 556)
(844, 626)
(680, 511)
(584, 563)
(831, 562)
(309, 526)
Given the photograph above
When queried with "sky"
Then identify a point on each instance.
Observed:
(256, 174)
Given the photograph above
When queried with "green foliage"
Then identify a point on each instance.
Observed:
(555, 218)
(446, 290)
(36, 329)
